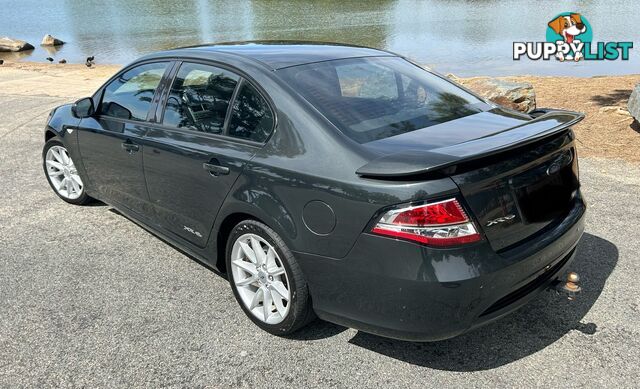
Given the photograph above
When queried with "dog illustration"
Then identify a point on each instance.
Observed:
(569, 27)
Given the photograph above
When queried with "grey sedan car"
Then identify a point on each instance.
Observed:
(330, 181)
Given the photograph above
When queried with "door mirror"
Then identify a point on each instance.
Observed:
(83, 108)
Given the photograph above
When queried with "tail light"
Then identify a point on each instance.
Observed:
(443, 223)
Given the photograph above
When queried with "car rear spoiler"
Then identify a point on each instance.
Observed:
(418, 162)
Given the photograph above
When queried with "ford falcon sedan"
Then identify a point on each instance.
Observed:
(331, 181)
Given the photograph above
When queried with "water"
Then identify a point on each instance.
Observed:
(463, 37)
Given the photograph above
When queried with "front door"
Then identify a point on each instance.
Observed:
(191, 160)
(110, 141)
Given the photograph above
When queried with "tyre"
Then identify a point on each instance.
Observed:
(266, 279)
(62, 174)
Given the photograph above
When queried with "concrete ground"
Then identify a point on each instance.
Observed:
(88, 298)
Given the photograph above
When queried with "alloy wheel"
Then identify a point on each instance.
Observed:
(62, 173)
(260, 278)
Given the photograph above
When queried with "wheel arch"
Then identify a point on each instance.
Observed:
(224, 230)
(234, 215)
(49, 134)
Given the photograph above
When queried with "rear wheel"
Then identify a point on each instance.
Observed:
(62, 175)
(266, 279)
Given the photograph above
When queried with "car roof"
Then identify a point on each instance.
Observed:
(279, 54)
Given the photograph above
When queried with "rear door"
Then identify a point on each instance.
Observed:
(212, 124)
(111, 141)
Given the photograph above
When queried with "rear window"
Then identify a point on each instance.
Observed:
(378, 97)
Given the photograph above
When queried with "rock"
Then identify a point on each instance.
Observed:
(452, 77)
(10, 44)
(49, 40)
(614, 109)
(634, 103)
(515, 95)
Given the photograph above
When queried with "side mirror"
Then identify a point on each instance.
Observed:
(83, 108)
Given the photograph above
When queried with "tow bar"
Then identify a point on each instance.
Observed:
(570, 287)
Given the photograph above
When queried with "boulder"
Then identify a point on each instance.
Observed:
(633, 105)
(515, 95)
(49, 40)
(452, 77)
(10, 44)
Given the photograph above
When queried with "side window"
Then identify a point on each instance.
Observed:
(129, 96)
(251, 117)
(367, 81)
(199, 98)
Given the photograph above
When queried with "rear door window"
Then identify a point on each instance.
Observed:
(129, 96)
(251, 118)
(199, 98)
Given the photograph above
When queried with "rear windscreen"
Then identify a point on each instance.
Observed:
(378, 97)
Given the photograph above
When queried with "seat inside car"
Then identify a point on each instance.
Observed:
(201, 105)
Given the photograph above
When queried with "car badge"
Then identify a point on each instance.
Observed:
(500, 220)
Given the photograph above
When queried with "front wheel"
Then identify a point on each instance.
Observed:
(266, 279)
(62, 174)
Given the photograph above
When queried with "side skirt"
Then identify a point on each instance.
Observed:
(166, 237)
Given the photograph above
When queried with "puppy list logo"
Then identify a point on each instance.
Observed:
(570, 38)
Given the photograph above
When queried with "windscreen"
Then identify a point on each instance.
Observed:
(374, 98)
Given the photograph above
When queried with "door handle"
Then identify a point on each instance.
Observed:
(130, 147)
(214, 169)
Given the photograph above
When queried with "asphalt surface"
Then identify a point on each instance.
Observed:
(88, 298)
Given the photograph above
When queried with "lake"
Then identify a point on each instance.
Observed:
(463, 37)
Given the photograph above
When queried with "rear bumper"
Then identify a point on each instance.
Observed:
(402, 290)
